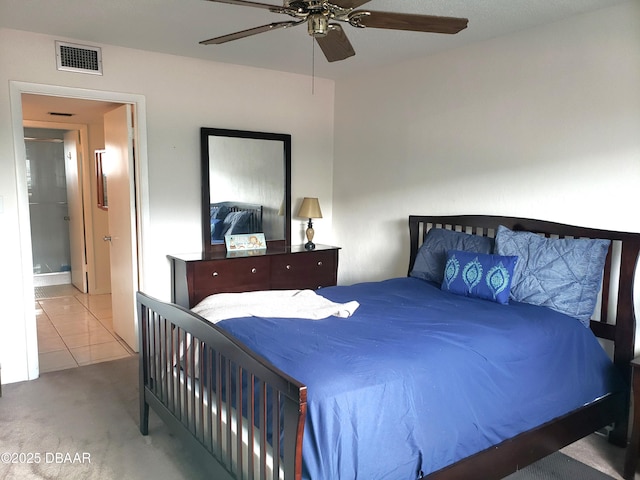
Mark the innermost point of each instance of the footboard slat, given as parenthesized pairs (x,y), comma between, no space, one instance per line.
(229,403)
(153,348)
(229,419)
(182,397)
(162,354)
(171,352)
(201,392)
(263,428)
(276,438)
(252,423)
(240,414)
(209,418)
(218,370)
(191,412)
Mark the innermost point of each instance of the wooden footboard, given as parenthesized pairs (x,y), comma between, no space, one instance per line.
(225,401)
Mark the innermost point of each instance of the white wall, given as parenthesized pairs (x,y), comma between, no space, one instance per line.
(181,95)
(544,123)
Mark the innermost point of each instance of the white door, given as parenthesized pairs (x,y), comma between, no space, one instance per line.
(75,215)
(118,138)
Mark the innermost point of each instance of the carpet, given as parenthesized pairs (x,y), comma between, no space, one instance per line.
(558,466)
(82,424)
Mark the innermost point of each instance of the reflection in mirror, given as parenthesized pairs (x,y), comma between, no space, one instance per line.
(246,185)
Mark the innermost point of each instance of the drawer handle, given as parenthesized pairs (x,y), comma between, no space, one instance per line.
(253,270)
(320,263)
(288,267)
(214,274)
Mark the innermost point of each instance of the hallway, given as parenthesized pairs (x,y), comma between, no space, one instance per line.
(75,329)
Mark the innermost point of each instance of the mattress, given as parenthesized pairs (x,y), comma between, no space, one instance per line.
(418,378)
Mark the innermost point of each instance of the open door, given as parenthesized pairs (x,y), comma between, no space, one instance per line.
(118,165)
(75,209)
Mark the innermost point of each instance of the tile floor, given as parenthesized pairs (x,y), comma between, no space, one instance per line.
(75,329)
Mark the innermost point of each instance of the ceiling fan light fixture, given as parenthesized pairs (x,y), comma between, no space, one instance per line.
(318,25)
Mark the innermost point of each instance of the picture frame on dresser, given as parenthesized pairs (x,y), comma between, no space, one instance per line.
(245,242)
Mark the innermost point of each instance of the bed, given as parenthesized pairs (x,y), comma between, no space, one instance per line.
(255,410)
(230,218)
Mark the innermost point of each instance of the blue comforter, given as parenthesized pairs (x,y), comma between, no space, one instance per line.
(418,378)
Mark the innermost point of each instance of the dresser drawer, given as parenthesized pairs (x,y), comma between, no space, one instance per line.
(196,276)
(304,270)
(232,275)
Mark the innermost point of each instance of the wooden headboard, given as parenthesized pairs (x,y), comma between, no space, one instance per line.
(615,319)
(255,222)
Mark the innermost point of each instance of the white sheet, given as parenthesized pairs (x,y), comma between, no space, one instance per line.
(305,304)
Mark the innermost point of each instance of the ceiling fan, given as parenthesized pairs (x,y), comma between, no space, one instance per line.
(321,15)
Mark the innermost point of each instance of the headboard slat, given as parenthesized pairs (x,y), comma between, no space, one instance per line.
(606,285)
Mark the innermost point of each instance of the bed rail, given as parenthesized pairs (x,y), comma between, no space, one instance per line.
(223,399)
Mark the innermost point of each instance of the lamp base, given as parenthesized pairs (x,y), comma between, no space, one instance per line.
(310,232)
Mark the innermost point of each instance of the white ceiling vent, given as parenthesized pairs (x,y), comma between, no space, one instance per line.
(78,58)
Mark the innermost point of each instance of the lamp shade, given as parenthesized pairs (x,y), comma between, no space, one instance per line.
(310,208)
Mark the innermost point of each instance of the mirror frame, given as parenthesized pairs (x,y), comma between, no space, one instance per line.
(285,138)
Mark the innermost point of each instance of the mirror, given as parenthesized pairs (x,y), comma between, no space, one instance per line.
(246,186)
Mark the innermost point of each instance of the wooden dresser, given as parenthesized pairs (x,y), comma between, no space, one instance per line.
(195,276)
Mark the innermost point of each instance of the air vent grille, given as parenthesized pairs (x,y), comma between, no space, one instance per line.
(78,58)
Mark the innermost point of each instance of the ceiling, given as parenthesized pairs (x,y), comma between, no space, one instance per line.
(44,108)
(176,26)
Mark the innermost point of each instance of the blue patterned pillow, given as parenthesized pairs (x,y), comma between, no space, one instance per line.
(563,274)
(217,230)
(218,211)
(237,222)
(479,275)
(432,256)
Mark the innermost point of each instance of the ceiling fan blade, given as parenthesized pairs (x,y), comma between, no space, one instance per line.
(407,21)
(351,3)
(249,32)
(245,3)
(335,45)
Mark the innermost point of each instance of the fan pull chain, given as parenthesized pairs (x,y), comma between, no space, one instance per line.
(313,66)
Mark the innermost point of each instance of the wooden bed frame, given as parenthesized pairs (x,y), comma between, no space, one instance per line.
(255,218)
(171,370)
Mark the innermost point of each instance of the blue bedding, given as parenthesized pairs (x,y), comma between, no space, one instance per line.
(419,378)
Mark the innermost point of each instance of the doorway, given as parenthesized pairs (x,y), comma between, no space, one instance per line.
(60,175)
(138,180)
(74,326)
(48,206)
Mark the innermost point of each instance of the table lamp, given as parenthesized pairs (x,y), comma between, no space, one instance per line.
(310,208)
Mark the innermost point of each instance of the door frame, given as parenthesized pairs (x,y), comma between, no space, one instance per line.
(140,180)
